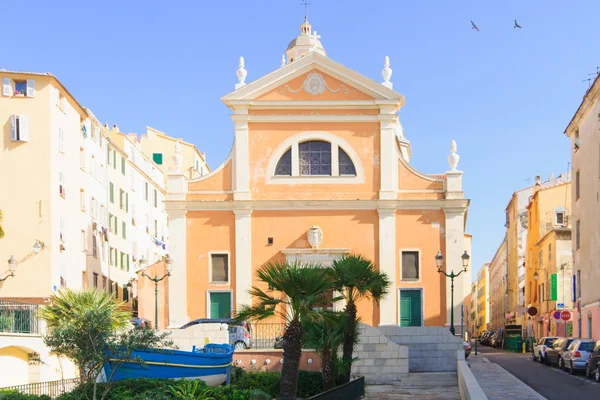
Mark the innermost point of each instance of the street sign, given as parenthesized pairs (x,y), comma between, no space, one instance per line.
(560,305)
(579,306)
(554,287)
(532,311)
(565,315)
(556,314)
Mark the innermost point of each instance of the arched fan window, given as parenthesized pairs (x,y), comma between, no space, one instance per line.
(284,166)
(315,158)
(346,166)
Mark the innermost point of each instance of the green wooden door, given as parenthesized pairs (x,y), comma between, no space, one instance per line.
(410,308)
(220,305)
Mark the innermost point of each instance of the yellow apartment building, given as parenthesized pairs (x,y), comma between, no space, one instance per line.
(483,296)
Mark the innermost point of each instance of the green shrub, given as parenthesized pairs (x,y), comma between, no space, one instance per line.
(233,393)
(139,389)
(16,395)
(309,383)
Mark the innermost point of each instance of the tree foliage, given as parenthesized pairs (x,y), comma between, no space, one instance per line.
(91,326)
(295,291)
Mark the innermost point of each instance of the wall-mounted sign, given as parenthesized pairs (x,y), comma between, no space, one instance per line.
(560,305)
(554,286)
(556,314)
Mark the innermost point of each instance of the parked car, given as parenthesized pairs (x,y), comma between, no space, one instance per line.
(578,354)
(467,347)
(539,349)
(141,323)
(554,354)
(240,335)
(593,364)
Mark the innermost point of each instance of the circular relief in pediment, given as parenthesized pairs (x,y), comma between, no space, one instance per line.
(314,84)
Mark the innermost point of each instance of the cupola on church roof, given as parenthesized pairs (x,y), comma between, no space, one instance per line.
(305,43)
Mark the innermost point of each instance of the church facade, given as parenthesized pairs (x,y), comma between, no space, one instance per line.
(320,168)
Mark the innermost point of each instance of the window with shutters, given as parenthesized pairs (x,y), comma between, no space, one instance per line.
(19,128)
(578,234)
(219,268)
(20,89)
(410,266)
(124,230)
(123,163)
(94,246)
(550,252)
(121,199)
(577,188)
(155,198)
(95,280)
(125,294)
(146,190)
(104,283)
(157,158)
(111,192)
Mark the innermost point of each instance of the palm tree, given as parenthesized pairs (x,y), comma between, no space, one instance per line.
(295,290)
(1,230)
(356,278)
(326,336)
(83,319)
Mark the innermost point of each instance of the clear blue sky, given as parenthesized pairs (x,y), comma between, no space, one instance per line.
(504,94)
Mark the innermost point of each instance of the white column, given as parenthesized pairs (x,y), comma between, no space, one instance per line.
(388,155)
(388,306)
(455,220)
(177,281)
(241,161)
(243,257)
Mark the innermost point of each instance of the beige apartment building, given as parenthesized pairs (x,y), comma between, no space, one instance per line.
(498,287)
(516,243)
(160,147)
(585,155)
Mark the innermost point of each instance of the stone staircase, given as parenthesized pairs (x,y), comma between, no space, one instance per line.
(418,386)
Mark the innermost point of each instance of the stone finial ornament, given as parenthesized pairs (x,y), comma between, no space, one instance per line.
(283,60)
(387,73)
(177,158)
(241,74)
(453,158)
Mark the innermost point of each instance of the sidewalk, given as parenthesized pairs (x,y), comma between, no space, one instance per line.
(497,383)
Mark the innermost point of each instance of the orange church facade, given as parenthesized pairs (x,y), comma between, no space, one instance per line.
(318,147)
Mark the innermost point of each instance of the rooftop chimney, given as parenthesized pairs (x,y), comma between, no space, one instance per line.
(538,180)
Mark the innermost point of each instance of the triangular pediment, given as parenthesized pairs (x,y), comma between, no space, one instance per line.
(313,77)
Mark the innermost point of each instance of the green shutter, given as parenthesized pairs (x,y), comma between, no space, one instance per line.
(110,220)
(112,192)
(121,199)
(157,158)
(121,265)
(110,255)
(410,308)
(127,202)
(123,165)
(127,257)
(124,230)
(220,305)
(116,225)
(114,159)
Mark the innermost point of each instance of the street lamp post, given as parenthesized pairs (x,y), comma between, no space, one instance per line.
(439,260)
(143,265)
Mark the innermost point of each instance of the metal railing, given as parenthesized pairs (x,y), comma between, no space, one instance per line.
(265,334)
(18,317)
(352,390)
(51,388)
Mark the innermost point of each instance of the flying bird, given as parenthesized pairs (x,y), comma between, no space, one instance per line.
(474,26)
(517,25)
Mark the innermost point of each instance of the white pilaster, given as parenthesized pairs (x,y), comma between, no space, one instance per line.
(241,176)
(177,281)
(388,306)
(243,257)
(388,156)
(455,220)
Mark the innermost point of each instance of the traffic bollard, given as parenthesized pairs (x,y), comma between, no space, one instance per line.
(476,340)
(524,347)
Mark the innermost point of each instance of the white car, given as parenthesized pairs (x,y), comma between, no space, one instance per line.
(539,349)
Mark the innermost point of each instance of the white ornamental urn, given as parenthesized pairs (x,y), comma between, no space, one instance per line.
(315,236)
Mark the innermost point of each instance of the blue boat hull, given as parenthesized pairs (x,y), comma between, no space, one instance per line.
(209,364)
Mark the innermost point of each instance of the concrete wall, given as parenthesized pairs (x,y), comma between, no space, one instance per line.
(380,361)
(270,360)
(430,349)
(199,335)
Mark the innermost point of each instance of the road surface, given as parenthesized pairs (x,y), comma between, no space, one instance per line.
(550,382)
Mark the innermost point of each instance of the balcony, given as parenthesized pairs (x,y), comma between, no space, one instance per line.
(19,317)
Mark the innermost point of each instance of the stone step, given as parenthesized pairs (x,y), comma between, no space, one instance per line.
(428,379)
(392,392)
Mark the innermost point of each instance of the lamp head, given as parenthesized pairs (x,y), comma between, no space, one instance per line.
(37,247)
(535,276)
(439,260)
(169,263)
(142,263)
(465,260)
(12,264)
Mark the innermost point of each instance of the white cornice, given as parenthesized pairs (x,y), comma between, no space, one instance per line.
(455,205)
(293,252)
(305,64)
(313,118)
